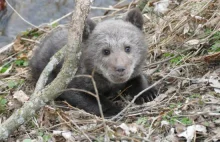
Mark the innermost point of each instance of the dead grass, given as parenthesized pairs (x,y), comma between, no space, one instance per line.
(184,42)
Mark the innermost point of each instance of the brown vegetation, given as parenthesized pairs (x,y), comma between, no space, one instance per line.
(183,60)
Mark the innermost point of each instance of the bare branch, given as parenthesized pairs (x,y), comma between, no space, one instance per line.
(23,18)
(39,99)
(54,61)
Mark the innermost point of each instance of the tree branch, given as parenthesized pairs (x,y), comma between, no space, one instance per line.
(39,99)
(54,61)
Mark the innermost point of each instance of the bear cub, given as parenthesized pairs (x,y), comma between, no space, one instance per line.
(114,49)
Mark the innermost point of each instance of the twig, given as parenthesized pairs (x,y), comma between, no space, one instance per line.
(26,39)
(168,59)
(200,113)
(130,139)
(79,90)
(110,15)
(150,131)
(54,61)
(142,113)
(126,5)
(120,2)
(57,20)
(129,6)
(23,18)
(206,113)
(65,121)
(13,55)
(79,129)
(100,107)
(92,7)
(174,94)
(121,93)
(13,77)
(6,47)
(57,125)
(118,6)
(13,59)
(104,8)
(96,95)
(38,27)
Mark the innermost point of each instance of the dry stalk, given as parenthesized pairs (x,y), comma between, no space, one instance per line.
(171,35)
(168,59)
(79,129)
(30,40)
(150,131)
(68,124)
(10,57)
(96,95)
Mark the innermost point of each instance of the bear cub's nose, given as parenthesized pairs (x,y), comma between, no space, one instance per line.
(120,69)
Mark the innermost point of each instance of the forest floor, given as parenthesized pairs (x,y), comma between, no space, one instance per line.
(183,62)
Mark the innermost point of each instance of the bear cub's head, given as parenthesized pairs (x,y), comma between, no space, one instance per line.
(115,48)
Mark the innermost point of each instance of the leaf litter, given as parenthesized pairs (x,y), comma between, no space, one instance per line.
(181,34)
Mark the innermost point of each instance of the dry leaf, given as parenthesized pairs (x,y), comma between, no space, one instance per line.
(66,134)
(212,58)
(128,129)
(186,28)
(161,6)
(214,82)
(21,96)
(191,131)
(17,46)
(22,56)
(171,137)
(198,19)
(213,22)
(179,128)
(164,122)
(160,97)
(192,42)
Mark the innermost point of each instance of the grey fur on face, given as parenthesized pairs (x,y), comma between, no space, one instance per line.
(115,36)
(114,49)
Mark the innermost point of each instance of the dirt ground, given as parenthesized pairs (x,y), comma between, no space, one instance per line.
(183,63)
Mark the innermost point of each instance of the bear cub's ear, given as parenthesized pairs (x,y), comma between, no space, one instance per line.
(135,17)
(89,27)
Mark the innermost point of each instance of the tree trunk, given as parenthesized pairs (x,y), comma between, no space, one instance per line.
(68,71)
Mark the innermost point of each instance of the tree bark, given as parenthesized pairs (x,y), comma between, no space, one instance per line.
(39,99)
(54,61)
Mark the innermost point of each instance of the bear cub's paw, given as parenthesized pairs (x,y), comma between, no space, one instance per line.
(147,96)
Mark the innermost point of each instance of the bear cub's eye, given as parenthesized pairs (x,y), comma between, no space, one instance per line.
(127,49)
(106,52)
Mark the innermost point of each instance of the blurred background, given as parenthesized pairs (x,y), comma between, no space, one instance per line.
(37,12)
